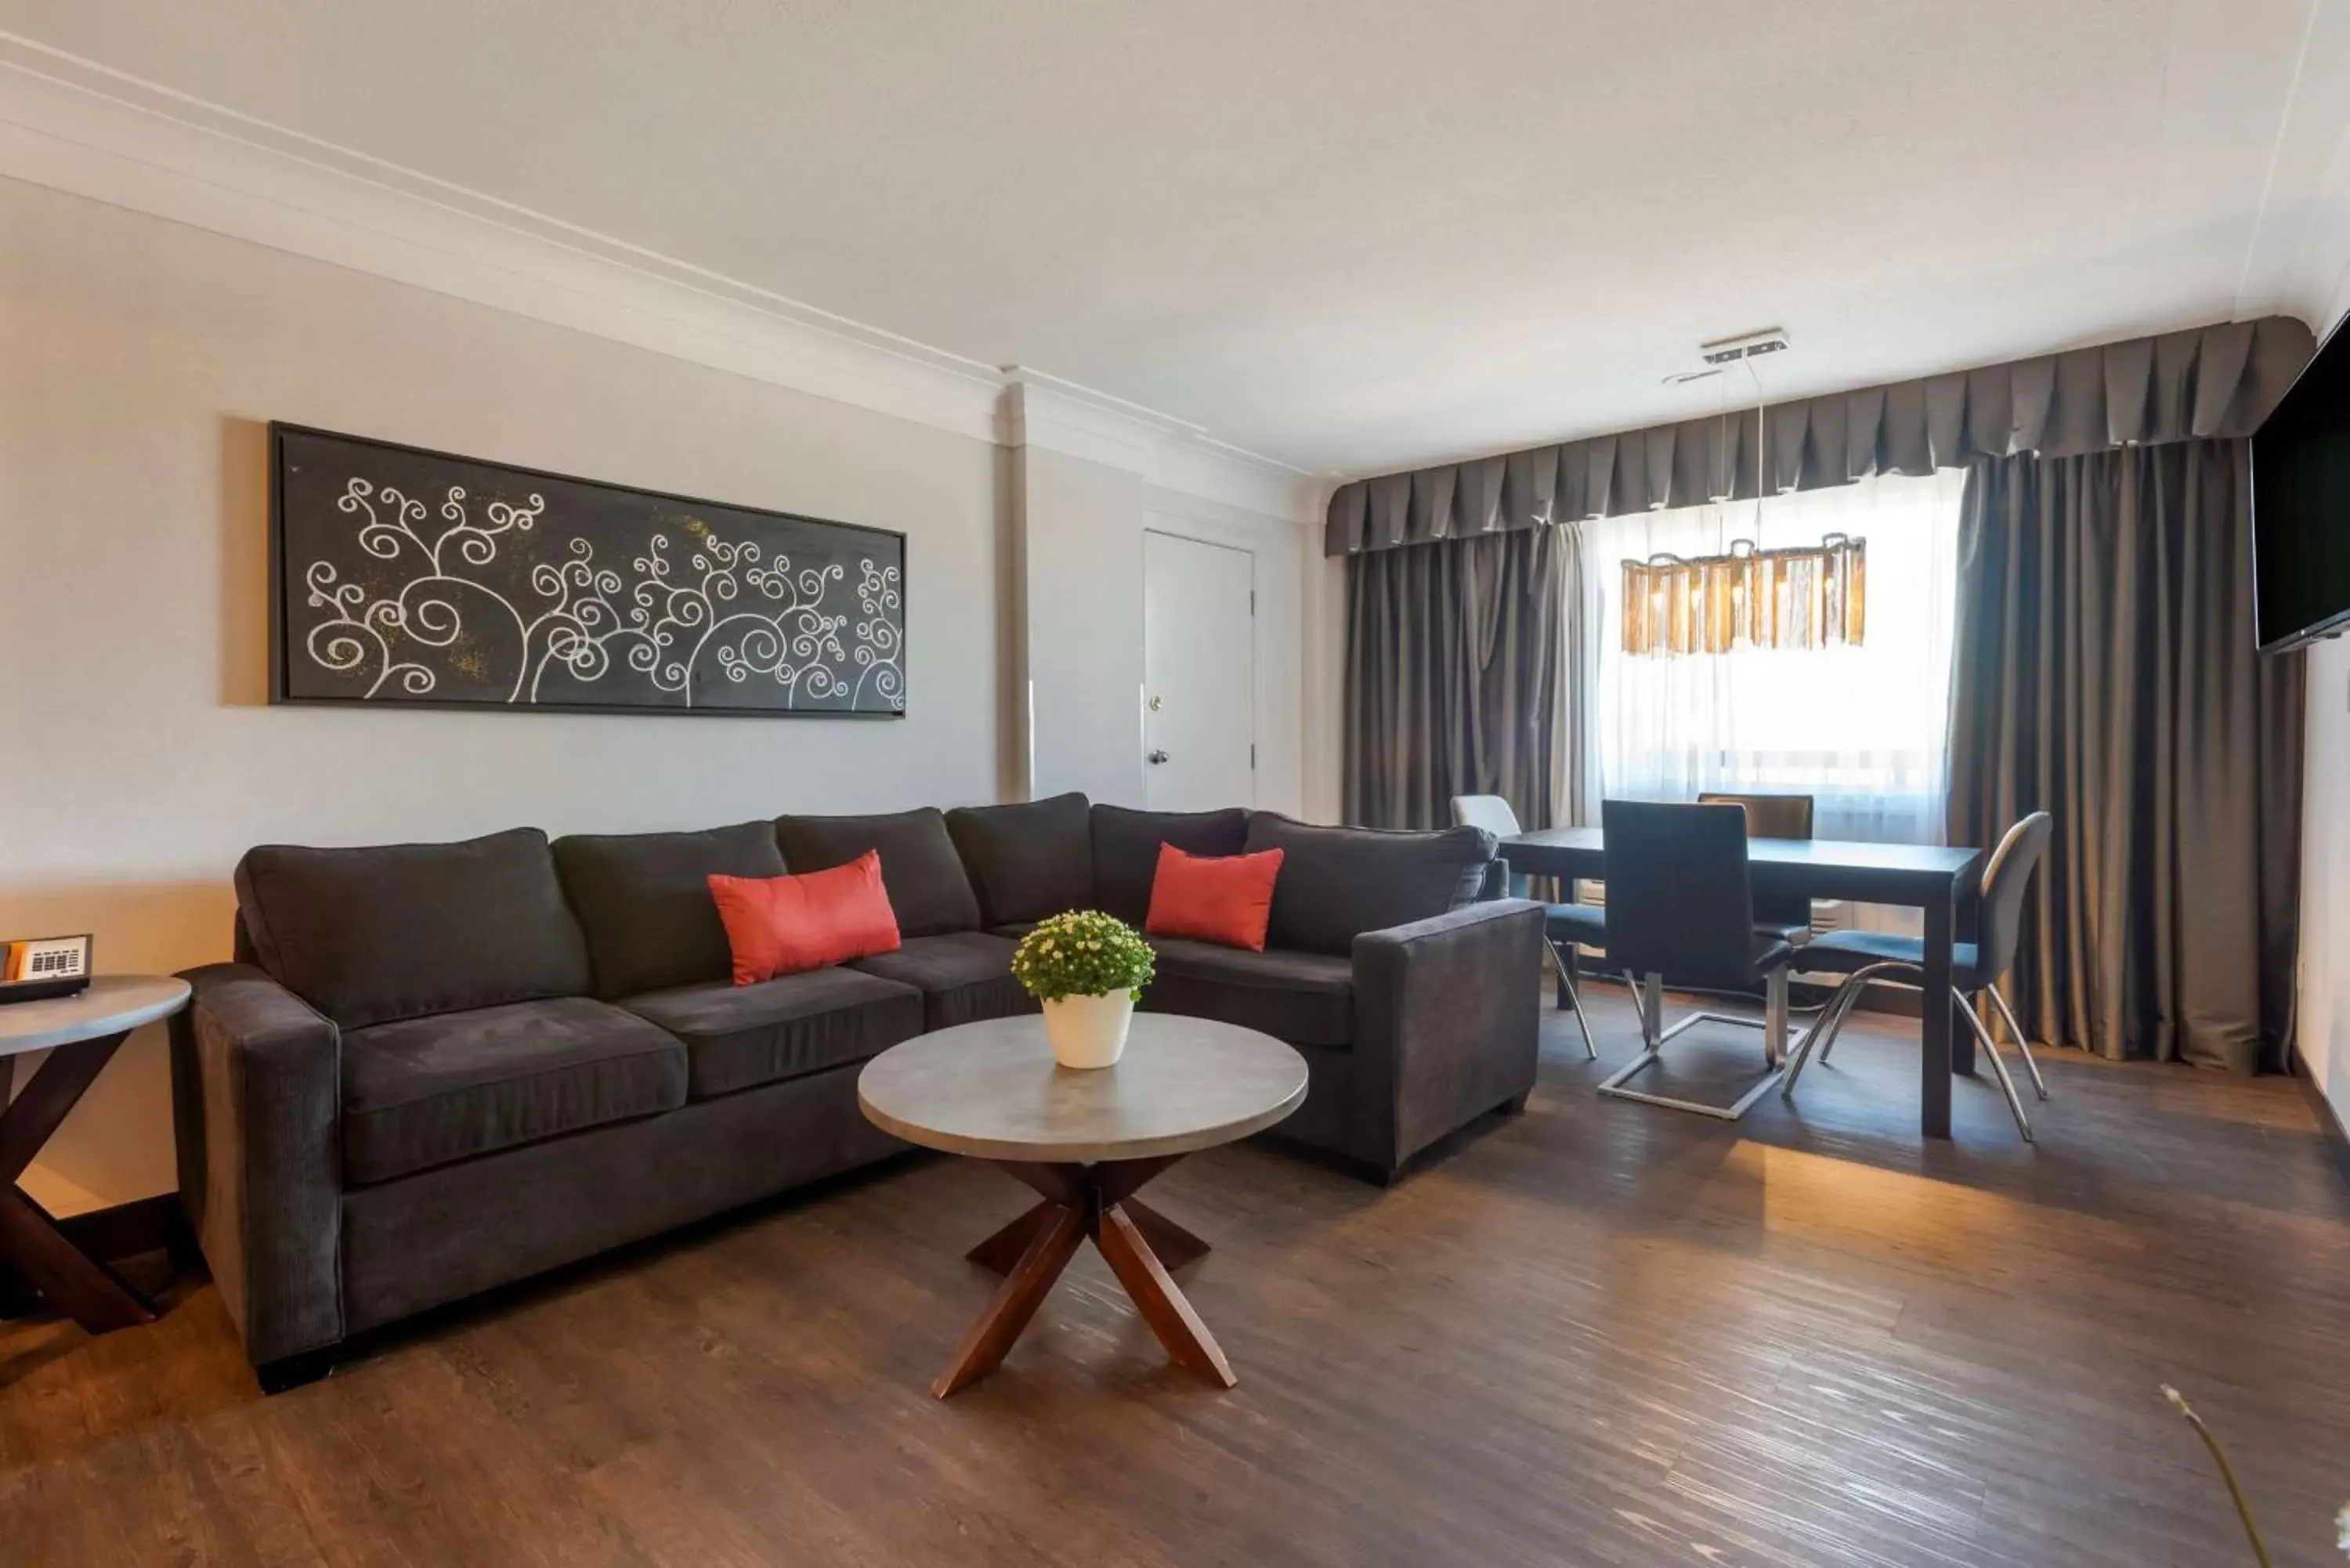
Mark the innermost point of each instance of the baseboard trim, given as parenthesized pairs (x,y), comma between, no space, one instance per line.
(2337,1140)
(153,1224)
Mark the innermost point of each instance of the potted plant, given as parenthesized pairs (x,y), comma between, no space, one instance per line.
(1088,970)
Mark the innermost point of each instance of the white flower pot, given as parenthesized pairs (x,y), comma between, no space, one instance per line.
(1088,1031)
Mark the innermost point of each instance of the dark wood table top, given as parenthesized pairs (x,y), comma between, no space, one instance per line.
(1829,868)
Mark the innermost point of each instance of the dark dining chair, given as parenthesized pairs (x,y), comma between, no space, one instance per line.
(1565,926)
(1681,911)
(1787,916)
(1975,966)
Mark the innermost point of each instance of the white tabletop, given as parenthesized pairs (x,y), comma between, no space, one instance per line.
(114,1004)
(993,1091)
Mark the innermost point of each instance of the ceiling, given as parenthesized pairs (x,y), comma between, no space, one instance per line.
(1356,235)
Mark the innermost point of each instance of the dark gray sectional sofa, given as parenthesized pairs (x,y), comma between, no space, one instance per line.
(435,1068)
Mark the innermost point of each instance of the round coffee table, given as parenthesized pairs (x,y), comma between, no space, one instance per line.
(80,1034)
(1086,1141)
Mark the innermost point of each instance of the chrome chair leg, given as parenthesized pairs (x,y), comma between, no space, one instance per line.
(1651,1004)
(2023,1041)
(1654,1032)
(1774,1035)
(1821,1035)
(1803,1048)
(1570,998)
(1998,1067)
(1820,1039)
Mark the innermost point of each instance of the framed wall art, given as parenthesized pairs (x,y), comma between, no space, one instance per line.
(406,578)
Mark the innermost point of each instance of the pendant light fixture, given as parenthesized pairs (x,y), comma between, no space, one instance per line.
(1808,597)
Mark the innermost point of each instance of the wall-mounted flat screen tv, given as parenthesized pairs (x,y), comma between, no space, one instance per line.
(2301,505)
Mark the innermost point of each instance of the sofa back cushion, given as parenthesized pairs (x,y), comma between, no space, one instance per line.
(1339,882)
(643,899)
(406,930)
(1127,845)
(1026,861)
(928,890)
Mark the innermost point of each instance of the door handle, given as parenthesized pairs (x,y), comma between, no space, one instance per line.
(1157,757)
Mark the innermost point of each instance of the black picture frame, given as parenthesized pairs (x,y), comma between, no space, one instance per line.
(584,596)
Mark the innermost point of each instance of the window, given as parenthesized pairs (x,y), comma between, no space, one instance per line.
(1862,730)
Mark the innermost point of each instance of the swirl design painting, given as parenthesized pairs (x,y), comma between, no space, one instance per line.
(411,577)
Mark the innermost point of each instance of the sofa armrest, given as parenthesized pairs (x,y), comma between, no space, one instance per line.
(256,1085)
(1448,1023)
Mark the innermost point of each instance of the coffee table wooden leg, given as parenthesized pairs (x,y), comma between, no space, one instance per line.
(1001,1251)
(1162,1305)
(1014,1302)
(1175,1245)
(1139,1243)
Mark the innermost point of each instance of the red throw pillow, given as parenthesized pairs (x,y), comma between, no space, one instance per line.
(1221,898)
(786,925)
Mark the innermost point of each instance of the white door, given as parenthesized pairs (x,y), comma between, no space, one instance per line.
(1199,669)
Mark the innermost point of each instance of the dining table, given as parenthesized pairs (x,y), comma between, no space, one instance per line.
(1934,879)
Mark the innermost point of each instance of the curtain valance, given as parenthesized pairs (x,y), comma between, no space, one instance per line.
(2218,380)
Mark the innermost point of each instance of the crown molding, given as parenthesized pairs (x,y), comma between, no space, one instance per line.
(74,125)
(1044,411)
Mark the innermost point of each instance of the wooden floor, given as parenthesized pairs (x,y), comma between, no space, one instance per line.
(1597,1333)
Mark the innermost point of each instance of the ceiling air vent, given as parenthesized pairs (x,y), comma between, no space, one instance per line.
(1746,345)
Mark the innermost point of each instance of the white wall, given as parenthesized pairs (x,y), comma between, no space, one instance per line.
(2323,1020)
(2322,994)
(138,362)
(1080,528)
(1080,524)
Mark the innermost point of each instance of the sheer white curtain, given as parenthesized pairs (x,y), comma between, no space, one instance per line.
(1861,730)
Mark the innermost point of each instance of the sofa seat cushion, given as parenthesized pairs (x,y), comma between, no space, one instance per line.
(1027,860)
(739,1036)
(405,931)
(423,1092)
(1306,999)
(1338,882)
(929,891)
(643,898)
(963,977)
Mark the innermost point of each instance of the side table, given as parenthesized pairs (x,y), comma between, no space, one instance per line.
(81,1035)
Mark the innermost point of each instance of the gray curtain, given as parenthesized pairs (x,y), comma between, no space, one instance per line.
(1460,659)
(2104,668)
